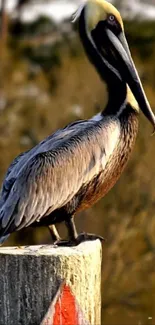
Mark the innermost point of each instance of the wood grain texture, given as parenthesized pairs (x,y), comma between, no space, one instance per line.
(31,276)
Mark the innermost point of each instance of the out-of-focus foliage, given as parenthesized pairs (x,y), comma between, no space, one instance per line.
(46,82)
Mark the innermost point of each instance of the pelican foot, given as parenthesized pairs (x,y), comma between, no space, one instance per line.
(83,237)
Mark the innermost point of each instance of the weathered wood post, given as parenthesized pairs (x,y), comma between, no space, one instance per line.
(51,286)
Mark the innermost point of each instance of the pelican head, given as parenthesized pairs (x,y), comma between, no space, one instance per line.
(102,33)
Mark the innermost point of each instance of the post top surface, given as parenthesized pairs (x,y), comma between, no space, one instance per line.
(84,248)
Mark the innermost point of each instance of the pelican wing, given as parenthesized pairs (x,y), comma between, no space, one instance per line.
(47,144)
(8,181)
(51,178)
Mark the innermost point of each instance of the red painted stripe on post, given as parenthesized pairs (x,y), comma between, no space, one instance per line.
(65,309)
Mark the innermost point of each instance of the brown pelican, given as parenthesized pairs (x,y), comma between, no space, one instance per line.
(76,166)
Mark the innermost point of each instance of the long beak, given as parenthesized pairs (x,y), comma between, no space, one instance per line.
(130,74)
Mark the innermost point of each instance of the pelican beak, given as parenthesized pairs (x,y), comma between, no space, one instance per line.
(129,72)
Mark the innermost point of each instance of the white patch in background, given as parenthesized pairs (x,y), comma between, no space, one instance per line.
(61,9)
(57,10)
(10,4)
(77,110)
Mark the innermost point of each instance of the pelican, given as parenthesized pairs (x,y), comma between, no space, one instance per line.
(76,166)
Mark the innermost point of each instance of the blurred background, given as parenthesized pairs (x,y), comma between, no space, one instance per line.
(46,82)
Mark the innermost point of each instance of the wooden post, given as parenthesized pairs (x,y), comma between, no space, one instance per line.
(51,286)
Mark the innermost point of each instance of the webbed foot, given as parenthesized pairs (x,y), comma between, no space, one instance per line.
(83,237)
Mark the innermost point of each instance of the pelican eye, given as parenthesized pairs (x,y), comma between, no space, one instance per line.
(111,18)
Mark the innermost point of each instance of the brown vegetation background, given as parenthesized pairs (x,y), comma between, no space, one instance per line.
(46,82)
